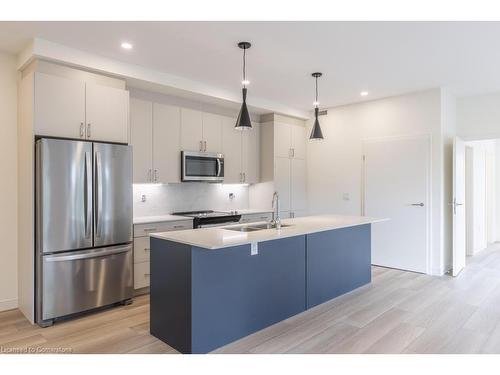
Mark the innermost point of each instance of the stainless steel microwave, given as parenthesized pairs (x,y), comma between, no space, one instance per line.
(202,166)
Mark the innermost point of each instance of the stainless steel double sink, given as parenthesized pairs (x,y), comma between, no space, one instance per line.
(256,227)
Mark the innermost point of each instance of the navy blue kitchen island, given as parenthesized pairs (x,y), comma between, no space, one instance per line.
(204,298)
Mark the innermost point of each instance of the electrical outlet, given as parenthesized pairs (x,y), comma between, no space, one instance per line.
(254,248)
(143,198)
(346,197)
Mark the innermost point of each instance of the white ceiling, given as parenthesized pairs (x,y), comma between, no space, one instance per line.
(383,58)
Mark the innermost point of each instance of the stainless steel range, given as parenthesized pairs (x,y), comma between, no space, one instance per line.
(205,219)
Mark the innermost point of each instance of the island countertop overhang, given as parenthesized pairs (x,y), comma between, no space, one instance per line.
(220,237)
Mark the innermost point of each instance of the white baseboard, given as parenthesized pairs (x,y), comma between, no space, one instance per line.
(8,304)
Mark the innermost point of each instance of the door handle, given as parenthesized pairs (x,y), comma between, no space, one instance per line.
(205,146)
(201,145)
(218,167)
(455,205)
(417,204)
(88,130)
(98,201)
(88,194)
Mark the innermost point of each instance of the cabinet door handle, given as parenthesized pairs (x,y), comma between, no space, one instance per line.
(147,274)
(156,175)
(244,177)
(149,229)
(293,152)
(88,130)
(147,249)
(82,130)
(201,145)
(149,175)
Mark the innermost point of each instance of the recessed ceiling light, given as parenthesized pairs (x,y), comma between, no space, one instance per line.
(126,45)
(363,93)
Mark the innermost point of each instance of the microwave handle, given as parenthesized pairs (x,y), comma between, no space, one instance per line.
(219,169)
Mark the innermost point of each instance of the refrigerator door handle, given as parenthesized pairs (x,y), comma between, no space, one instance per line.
(88,194)
(87,255)
(98,200)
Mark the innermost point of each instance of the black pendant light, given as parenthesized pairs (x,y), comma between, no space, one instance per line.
(243,122)
(316,133)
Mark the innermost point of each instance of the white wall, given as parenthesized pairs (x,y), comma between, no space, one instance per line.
(8,173)
(334,165)
(165,199)
(449,129)
(478,117)
(497,190)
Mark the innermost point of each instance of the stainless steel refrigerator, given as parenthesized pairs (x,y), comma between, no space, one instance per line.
(83,208)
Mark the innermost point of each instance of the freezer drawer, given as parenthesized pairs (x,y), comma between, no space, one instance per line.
(81,280)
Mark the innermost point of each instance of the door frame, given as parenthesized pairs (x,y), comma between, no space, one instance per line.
(428,201)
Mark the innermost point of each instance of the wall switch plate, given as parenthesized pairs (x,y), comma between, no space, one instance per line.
(346,197)
(143,198)
(254,248)
(231,196)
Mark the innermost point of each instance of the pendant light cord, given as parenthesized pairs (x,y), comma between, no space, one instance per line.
(244,67)
(316,92)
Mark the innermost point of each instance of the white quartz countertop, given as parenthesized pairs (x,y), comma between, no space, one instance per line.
(220,237)
(159,219)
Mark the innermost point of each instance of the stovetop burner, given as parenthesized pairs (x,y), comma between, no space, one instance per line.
(207,213)
(210,218)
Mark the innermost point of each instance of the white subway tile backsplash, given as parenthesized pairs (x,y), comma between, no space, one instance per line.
(165,199)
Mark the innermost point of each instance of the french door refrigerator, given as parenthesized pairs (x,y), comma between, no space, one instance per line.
(83,208)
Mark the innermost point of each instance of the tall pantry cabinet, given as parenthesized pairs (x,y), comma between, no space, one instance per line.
(283,161)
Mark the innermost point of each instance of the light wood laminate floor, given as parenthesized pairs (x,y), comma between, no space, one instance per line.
(400,312)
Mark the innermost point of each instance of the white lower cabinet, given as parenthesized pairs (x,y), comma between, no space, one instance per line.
(142,248)
(141,275)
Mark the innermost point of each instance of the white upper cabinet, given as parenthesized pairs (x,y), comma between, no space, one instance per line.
(231,147)
(298,142)
(282,139)
(141,134)
(191,130)
(70,108)
(298,193)
(251,154)
(282,181)
(212,132)
(166,143)
(107,111)
(59,109)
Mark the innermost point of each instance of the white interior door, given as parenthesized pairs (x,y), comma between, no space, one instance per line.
(459,221)
(397,188)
